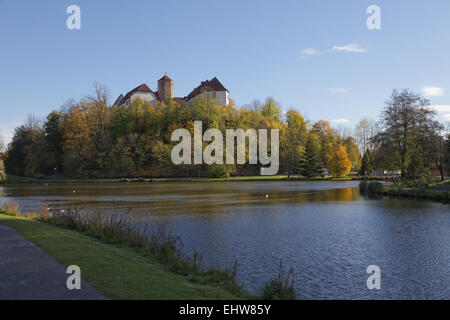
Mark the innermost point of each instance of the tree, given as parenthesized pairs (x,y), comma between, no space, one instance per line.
(366,164)
(436,147)
(311,165)
(293,140)
(2,165)
(270,109)
(405,122)
(447,152)
(339,164)
(28,152)
(325,136)
(353,153)
(53,135)
(365,130)
(2,172)
(78,146)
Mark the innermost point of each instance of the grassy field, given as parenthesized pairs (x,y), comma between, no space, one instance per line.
(119,272)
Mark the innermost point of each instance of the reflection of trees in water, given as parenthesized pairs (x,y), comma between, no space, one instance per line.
(343,194)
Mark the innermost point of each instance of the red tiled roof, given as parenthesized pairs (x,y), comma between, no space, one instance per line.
(142,88)
(166,78)
(208,85)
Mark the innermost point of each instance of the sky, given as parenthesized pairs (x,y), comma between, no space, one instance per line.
(317,57)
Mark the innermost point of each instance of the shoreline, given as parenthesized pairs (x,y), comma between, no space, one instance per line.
(18,180)
(439,192)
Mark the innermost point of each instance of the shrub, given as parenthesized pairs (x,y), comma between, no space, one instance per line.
(218,171)
(281,287)
(375,187)
(363,187)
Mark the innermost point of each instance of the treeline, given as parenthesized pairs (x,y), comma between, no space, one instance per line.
(407,138)
(91,138)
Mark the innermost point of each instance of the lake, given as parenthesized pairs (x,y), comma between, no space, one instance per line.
(325,231)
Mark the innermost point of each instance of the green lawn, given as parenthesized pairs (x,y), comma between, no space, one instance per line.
(118,272)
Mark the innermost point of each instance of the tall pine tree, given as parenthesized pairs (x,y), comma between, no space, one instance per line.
(367,164)
(311,165)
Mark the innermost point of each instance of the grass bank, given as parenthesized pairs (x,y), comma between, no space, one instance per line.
(436,192)
(122,262)
(119,272)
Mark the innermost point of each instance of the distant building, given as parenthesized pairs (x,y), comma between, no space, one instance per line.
(210,88)
(213,89)
(382,172)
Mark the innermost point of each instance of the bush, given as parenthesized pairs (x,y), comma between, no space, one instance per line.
(282,287)
(375,187)
(218,171)
(364,187)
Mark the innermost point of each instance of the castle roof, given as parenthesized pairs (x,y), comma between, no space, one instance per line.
(166,78)
(208,85)
(119,100)
(142,88)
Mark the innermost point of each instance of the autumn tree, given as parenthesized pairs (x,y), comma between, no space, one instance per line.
(339,165)
(270,109)
(293,140)
(325,136)
(353,153)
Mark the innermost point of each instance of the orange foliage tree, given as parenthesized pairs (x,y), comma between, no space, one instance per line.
(339,164)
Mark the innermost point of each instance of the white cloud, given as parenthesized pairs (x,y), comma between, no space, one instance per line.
(442,110)
(439,108)
(338,90)
(352,47)
(340,121)
(432,91)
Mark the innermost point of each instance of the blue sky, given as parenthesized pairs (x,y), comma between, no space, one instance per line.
(317,57)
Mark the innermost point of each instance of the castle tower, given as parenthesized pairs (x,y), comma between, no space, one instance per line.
(165,88)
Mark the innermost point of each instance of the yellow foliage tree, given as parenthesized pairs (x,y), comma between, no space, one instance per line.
(339,164)
(2,171)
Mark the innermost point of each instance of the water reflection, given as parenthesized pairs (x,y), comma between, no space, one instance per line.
(325,230)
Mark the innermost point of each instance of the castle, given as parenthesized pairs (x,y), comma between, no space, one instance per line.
(210,88)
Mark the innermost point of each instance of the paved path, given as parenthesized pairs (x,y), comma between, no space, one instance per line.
(28,272)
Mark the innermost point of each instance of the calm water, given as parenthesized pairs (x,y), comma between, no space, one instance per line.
(324,230)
